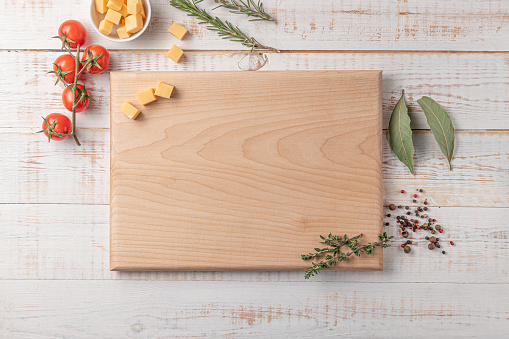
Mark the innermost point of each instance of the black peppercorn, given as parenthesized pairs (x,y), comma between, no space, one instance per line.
(400,206)
(443,252)
(425,208)
(386,224)
(389,215)
(414,201)
(408,213)
(431,246)
(406,207)
(421,190)
(392,207)
(425,203)
(438,239)
(437,245)
(427,238)
(433,239)
(408,242)
(407,249)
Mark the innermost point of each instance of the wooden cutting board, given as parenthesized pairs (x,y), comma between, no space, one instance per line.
(244,170)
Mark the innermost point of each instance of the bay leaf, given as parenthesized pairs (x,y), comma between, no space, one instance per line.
(440,124)
(400,134)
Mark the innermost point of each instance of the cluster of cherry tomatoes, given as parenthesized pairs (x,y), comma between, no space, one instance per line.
(66,63)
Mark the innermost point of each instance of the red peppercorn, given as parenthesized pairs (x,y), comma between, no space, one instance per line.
(402,191)
(451,243)
(415,195)
(402,245)
(434,220)
(418,227)
(441,231)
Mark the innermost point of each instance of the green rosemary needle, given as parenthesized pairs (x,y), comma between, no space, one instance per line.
(225,29)
(247,7)
(333,254)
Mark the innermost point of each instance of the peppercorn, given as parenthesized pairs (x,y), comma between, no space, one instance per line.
(437,245)
(430,220)
(441,231)
(406,207)
(433,232)
(415,195)
(438,239)
(425,203)
(431,246)
(386,224)
(402,227)
(408,213)
(452,243)
(425,208)
(400,206)
(443,252)
(434,220)
(421,190)
(433,239)
(407,249)
(392,207)
(424,215)
(389,215)
(414,201)
(408,242)
(402,245)
(397,217)
(427,238)
(402,191)
(404,234)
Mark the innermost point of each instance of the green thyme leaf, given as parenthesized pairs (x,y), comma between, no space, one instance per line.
(400,134)
(440,124)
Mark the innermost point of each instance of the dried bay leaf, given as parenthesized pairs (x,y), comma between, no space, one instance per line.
(440,124)
(400,134)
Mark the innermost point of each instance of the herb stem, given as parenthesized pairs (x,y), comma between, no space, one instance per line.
(247,7)
(73,89)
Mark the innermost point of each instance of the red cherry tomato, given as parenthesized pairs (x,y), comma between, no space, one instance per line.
(67,99)
(75,31)
(103,60)
(63,125)
(66,64)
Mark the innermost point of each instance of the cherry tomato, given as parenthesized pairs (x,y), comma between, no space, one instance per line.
(103,60)
(63,125)
(67,99)
(75,31)
(67,63)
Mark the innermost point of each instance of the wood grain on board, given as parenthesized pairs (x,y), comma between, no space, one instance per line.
(243,171)
(431,25)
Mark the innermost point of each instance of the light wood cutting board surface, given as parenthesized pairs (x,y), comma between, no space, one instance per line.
(244,170)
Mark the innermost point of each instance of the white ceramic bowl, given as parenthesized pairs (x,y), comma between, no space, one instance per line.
(96,17)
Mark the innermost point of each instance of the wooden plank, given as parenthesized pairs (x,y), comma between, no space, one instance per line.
(60,242)
(215,176)
(465,84)
(33,168)
(36,309)
(478,25)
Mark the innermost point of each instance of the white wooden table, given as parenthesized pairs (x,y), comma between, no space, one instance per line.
(54,270)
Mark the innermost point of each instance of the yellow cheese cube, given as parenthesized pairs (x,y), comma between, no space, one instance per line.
(164,90)
(175,53)
(100,6)
(142,11)
(113,16)
(178,30)
(105,27)
(133,8)
(122,33)
(123,10)
(146,97)
(115,5)
(129,110)
(133,23)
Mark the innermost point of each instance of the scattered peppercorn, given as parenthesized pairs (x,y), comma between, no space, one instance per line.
(392,207)
(415,195)
(400,206)
(386,224)
(441,231)
(443,252)
(427,238)
(425,203)
(431,246)
(421,190)
(407,249)
(407,208)
(433,232)
(389,215)
(437,245)
(425,208)
(414,201)
(402,245)
(438,227)
(402,191)
(433,239)
(404,234)
(452,243)
(408,213)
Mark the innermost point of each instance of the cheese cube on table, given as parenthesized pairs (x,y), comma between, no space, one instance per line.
(133,8)
(129,110)
(115,5)
(146,97)
(100,6)
(105,27)
(123,10)
(164,90)
(175,53)
(178,30)
(133,23)
(113,16)
(122,33)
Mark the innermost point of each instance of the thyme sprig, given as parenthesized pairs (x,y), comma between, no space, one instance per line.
(247,7)
(333,254)
(225,29)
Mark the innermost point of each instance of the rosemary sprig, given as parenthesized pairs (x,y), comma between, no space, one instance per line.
(225,29)
(333,254)
(247,7)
